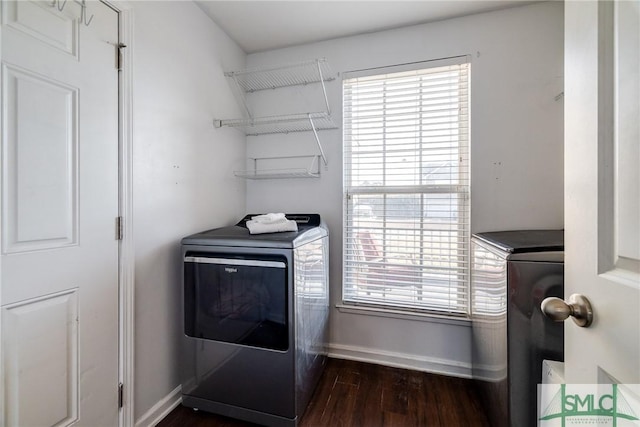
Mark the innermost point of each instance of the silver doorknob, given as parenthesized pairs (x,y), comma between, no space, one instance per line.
(578,307)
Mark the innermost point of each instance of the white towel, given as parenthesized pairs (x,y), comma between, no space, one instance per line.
(269,218)
(272,227)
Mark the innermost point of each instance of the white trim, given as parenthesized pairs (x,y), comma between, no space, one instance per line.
(2,126)
(490,373)
(415,362)
(161,409)
(411,66)
(126,344)
(127,257)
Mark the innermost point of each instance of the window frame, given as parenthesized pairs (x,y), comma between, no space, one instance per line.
(462,190)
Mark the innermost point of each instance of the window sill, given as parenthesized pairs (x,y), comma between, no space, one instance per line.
(398,314)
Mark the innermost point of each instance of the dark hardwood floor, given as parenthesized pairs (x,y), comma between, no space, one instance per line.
(365,395)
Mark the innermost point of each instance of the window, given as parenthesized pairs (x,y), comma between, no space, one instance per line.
(406,187)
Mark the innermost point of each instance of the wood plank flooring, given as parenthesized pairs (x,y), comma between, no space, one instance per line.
(355,394)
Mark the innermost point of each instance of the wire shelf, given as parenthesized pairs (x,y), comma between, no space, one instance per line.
(302,73)
(312,169)
(281,124)
(277,174)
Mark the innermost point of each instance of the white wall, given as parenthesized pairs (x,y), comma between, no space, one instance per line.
(182,170)
(516,155)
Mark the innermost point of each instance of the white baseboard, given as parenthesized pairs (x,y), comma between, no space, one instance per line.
(490,373)
(161,409)
(433,365)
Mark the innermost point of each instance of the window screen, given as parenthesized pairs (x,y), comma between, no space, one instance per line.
(406,187)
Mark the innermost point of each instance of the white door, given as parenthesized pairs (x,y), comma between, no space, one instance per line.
(59,265)
(602,190)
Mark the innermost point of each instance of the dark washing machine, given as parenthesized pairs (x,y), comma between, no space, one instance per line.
(512,272)
(255,320)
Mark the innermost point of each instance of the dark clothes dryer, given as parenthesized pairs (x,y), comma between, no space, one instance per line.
(255,320)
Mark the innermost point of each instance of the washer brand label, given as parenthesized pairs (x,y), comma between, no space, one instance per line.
(230,270)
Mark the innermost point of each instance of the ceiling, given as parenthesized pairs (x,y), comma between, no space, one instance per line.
(264,24)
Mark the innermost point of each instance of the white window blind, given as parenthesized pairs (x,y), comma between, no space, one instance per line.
(406,187)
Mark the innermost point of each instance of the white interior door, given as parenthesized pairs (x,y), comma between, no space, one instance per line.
(59,265)
(602,189)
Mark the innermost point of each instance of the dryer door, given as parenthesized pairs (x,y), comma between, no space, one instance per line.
(236,300)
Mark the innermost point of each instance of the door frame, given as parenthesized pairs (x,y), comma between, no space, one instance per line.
(126,256)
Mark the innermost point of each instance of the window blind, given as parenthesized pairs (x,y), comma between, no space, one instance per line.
(406,187)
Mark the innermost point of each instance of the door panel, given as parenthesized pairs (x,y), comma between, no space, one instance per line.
(602,194)
(39,179)
(41,352)
(39,19)
(627,128)
(59,266)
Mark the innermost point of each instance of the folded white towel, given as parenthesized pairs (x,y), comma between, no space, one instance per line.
(269,218)
(272,227)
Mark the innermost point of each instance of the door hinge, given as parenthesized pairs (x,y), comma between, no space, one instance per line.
(120,55)
(120,395)
(119,228)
